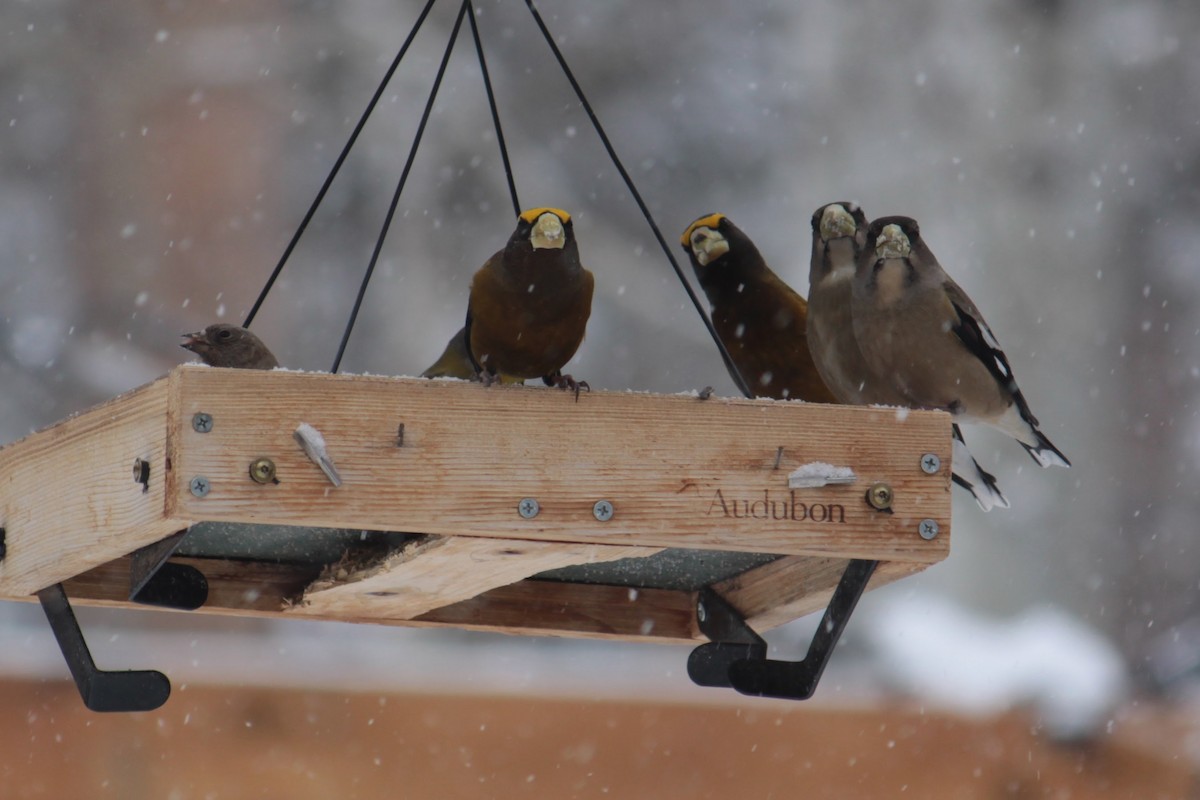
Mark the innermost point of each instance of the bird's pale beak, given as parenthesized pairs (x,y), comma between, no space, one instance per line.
(837,222)
(548,233)
(708,245)
(892,243)
(190,340)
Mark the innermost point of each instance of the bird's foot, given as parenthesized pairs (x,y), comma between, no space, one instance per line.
(487,378)
(705,393)
(566,382)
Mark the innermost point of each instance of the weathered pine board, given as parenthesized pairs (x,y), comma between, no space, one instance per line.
(529,607)
(442,570)
(679,471)
(769,595)
(789,588)
(68,498)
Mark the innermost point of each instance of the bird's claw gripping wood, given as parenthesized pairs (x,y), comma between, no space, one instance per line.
(567,383)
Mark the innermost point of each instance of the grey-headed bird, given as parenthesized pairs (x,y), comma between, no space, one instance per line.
(839,232)
(920,333)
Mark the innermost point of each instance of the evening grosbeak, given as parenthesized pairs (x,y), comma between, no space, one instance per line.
(530,303)
(921,334)
(455,361)
(225,345)
(839,231)
(760,320)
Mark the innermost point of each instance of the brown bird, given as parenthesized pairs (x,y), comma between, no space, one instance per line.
(530,303)
(225,345)
(760,320)
(921,334)
(839,233)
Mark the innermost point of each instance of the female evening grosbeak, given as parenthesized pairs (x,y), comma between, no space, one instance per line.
(839,231)
(922,336)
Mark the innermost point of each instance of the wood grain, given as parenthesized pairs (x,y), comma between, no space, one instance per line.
(68,498)
(680,472)
(530,607)
(441,570)
(789,588)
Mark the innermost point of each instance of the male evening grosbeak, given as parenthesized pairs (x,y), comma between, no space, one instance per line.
(760,320)
(530,303)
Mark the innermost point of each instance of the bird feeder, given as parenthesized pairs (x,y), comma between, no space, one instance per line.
(628,516)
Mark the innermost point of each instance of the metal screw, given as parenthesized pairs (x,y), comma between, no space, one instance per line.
(200,486)
(528,508)
(262,470)
(201,422)
(602,510)
(880,496)
(701,613)
(928,529)
(930,464)
(141,472)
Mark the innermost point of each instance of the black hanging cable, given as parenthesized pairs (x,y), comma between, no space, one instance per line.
(612,154)
(487,84)
(391,212)
(337,165)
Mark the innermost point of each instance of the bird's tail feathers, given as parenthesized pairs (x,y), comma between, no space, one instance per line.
(1045,453)
(975,479)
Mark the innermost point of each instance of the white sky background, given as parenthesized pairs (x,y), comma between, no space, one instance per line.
(156,160)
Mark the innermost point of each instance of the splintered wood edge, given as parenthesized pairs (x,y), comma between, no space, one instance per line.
(437,571)
(528,607)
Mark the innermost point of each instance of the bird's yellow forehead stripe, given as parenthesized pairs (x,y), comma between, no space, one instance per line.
(711,221)
(532,214)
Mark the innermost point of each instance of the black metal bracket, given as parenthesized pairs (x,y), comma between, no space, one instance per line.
(154,582)
(737,656)
(101,690)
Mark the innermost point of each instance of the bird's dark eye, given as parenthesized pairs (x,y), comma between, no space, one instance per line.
(225,335)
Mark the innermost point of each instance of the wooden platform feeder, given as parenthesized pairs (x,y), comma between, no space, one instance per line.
(505,508)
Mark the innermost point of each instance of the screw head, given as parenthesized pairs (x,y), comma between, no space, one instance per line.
(928,529)
(880,496)
(262,470)
(528,508)
(141,471)
(602,510)
(200,486)
(930,464)
(201,422)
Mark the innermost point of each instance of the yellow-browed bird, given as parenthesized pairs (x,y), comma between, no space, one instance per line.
(839,233)
(225,345)
(760,320)
(530,303)
(919,332)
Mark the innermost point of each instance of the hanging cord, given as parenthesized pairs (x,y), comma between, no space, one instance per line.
(337,165)
(391,212)
(487,84)
(612,154)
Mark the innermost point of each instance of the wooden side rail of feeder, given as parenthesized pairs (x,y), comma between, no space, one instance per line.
(525,511)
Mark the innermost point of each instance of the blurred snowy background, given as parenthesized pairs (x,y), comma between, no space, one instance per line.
(155,159)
